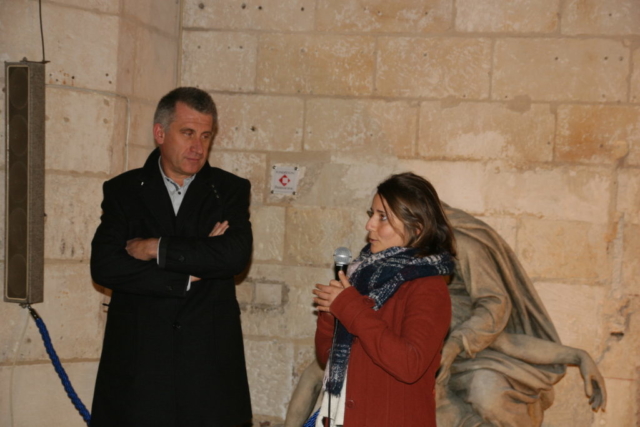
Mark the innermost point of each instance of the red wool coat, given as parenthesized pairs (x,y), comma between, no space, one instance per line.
(395,353)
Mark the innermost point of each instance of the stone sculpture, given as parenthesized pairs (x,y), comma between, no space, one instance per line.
(503,354)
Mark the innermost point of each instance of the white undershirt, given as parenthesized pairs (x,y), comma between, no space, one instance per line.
(338,404)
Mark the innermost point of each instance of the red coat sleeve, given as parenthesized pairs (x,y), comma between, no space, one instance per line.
(407,351)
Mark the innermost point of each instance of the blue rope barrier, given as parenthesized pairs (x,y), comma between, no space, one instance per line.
(311,422)
(58,366)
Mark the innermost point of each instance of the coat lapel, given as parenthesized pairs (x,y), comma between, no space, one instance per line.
(201,192)
(155,195)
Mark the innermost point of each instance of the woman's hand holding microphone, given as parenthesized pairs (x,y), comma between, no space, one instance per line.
(326,294)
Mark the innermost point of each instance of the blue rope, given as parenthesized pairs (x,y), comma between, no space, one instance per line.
(311,422)
(58,366)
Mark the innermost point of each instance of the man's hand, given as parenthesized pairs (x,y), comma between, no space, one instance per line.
(218,230)
(143,249)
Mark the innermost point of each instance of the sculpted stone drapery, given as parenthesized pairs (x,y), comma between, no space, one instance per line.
(503,354)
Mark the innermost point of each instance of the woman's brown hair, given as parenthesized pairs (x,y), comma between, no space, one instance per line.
(415,202)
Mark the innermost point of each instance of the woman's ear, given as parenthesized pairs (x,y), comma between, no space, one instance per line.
(413,233)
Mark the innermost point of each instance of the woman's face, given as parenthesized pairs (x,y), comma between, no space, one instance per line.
(385,230)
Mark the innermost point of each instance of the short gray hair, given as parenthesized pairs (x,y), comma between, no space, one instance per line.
(193,97)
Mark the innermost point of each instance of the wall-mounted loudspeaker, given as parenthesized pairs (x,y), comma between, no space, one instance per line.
(24,195)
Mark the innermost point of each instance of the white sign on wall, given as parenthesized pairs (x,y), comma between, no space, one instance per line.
(284,180)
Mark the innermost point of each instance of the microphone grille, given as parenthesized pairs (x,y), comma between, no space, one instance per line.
(342,256)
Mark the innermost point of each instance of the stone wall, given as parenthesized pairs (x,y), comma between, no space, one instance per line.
(524,113)
(110,62)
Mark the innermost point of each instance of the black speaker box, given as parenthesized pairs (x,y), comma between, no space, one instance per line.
(24,192)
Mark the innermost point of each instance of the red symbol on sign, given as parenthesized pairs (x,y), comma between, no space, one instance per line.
(284,180)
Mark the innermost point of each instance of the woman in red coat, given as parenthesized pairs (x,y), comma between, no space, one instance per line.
(393,312)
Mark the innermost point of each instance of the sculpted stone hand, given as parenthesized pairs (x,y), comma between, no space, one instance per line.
(538,351)
(326,294)
(450,351)
(593,382)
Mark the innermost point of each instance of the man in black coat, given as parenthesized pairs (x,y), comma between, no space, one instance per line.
(172,236)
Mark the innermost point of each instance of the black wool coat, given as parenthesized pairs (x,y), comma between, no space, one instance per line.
(172,357)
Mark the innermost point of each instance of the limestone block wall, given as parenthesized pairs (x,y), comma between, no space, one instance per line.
(524,113)
(110,61)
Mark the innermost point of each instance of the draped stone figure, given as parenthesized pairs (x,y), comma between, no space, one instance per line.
(502,355)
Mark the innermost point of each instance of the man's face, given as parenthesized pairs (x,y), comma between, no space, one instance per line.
(185,145)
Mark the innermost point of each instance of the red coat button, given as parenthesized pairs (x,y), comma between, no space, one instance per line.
(350,404)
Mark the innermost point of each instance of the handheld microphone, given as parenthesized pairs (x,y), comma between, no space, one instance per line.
(341,258)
